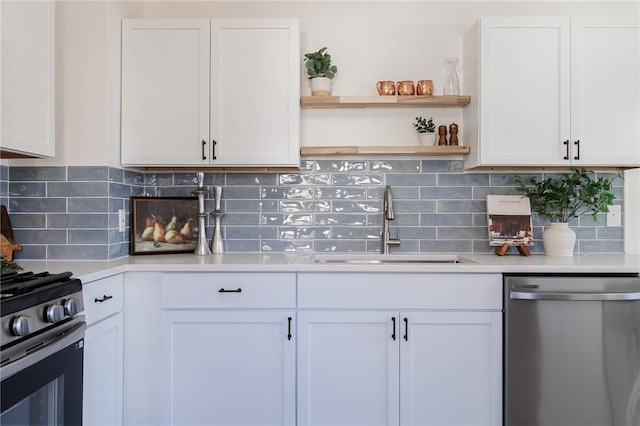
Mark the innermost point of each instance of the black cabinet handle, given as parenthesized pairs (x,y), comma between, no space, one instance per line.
(393,321)
(577,143)
(204,143)
(566,144)
(289,329)
(213,141)
(222,290)
(406,330)
(104,299)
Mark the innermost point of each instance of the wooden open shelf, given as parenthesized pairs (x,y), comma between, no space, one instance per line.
(382,101)
(393,150)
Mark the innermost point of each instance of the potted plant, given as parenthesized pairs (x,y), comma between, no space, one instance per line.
(565,197)
(426,130)
(320,72)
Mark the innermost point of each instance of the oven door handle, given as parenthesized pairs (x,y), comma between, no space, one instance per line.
(540,295)
(73,334)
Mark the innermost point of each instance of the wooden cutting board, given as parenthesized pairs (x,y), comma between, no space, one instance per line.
(6,239)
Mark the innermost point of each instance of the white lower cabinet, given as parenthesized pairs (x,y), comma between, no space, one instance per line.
(375,366)
(103,352)
(451,368)
(242,348)
(224,362)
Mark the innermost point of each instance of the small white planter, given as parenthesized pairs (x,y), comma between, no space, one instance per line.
(558,240)
(321,86)
(427,139)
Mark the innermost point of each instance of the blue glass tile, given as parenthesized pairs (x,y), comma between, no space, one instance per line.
(37,205)
(463,179)
(446,246)
(28,220)
(251,179)
(250,232)
(442,166)
(298,179)
(395,166)
(40,236)
(451,192)
(462,232)
(29,173)
(327,219)
(411,179)
(341,246)
(290,206)
(27,189)
(287,245)
(282,193)
(77,189)
(340,166)
(353,179)
(452,219)
(88,236)
(94,205)
(80,252)
(242,246)
(75,221)
(31,252)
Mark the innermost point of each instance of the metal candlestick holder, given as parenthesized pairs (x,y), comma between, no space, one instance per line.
(202,248)
(216,242)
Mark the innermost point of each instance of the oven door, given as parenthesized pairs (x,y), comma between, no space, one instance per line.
(45,386)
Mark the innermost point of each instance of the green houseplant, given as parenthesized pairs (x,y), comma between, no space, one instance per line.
(320,71)
(426,130)
(562,198)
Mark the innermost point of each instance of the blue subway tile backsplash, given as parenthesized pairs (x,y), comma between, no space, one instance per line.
(331,205)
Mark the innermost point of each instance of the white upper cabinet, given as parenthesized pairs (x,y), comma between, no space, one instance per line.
(552,92)
(605,91)
(165,92)
(210,92)
(28,78)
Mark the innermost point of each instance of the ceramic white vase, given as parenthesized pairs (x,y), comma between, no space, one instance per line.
(320,86)
(558,240)
(427,139)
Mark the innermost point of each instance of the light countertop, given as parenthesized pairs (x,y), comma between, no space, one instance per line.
(315,262)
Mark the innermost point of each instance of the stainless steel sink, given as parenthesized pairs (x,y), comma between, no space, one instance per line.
(392,259)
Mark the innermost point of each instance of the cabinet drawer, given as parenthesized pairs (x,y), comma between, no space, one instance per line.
(228,290)
(103,298)
(400,291)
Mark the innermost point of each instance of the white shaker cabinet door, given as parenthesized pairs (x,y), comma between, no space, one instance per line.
(451,369)
(103,373)
(524,91)
(27,51)
(165,92)
(255,92)
(605,91)
(228,368)
(348,368)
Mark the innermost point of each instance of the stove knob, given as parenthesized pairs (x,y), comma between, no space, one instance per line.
(54,313)
(71,306)
(21,325)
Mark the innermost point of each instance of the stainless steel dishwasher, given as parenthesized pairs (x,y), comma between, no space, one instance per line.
(572,350)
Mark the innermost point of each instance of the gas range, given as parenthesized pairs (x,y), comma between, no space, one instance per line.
(33,306)
(41,349)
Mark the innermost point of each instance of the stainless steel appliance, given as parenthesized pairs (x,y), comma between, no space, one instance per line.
(572,350)
(41,352)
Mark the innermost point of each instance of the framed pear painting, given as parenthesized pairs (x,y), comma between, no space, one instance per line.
(162,225)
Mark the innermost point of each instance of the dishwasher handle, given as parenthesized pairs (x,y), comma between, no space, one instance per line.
(570,297)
